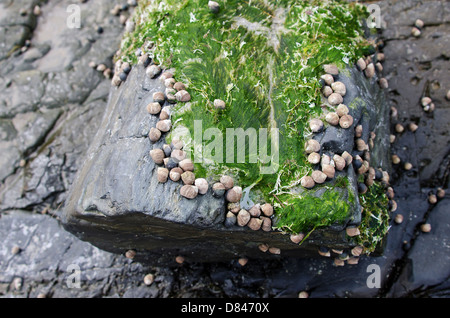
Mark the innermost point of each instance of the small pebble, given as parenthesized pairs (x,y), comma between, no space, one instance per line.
(419,24)
(362,188)
(357,250)
(37,10)
(169,82)
(399,128)
(154,108)
(338,262)
(324,251)
(347,157)
(189,191)
(234,207)
(145,60)
(266,224)
(149,279)
(339,162)
(178,155)
(407,166)
(393,205)
(101,67)
(379,67)
(412,127)
(165,113)
(425,101)
(263,247)
(353,261)
(361,144)
(15,250)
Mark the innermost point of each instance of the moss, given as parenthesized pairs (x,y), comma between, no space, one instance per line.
(375,218)
(265,83)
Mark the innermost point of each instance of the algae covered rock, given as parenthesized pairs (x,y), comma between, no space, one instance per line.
(264,60)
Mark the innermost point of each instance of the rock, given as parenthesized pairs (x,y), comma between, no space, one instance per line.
(329,171)
(178,155)
(312,146)
(178,86)
(318,176)
(346,121)
(327,91)
(189,191)
(255,224)
(314,158)
(342,110)
(328,79)
(255,211)
(164,125)
(165,113)
(307,182)
(266,224)
(158,97)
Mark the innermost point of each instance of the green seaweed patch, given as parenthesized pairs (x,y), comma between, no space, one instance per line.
(265,64)
(324,206)
(375,218)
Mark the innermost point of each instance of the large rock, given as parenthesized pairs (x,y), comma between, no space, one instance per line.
(117,203)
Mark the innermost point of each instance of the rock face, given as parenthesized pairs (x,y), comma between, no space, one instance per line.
(116,202)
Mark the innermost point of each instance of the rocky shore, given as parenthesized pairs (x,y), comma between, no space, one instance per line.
(50,109)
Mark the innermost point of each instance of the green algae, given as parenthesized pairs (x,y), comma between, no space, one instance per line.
(375,218)
(265,63)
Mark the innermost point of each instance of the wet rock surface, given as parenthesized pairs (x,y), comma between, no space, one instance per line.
(50,109)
